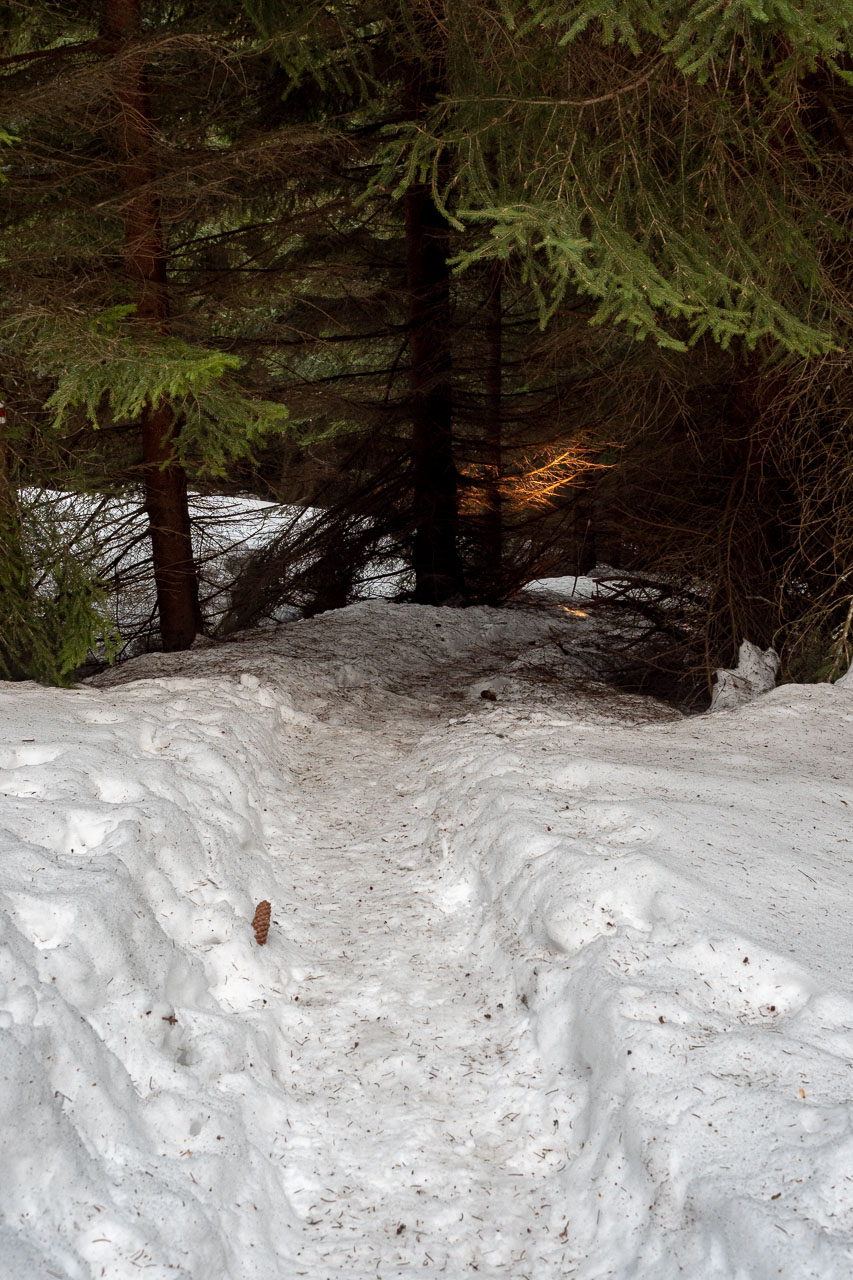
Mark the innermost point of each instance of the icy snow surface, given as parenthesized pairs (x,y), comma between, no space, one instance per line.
(755,673)
(558,982)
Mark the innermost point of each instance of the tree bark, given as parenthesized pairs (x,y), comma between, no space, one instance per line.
(438,569)
(493,524)
(754,539)
(436,561)
(5,486)
(164,478)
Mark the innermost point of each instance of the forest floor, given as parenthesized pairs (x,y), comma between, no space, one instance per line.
(558,981)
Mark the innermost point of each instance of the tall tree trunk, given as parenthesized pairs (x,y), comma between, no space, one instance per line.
(164,478)
(755,531)
(436,561)
(438,569)
(493,524)
(5,483)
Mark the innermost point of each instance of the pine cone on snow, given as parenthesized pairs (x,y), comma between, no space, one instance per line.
(261,922)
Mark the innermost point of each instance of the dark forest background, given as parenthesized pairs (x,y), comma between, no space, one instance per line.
(495,290)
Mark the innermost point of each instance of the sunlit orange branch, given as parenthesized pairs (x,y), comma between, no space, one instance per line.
(536,484)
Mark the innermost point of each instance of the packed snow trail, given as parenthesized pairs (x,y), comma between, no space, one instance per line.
(557,982)
(419,1087)
(413,1097)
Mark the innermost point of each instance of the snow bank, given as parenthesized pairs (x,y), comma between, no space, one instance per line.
(558,982)
(135,846)
(755,674)
(676,902)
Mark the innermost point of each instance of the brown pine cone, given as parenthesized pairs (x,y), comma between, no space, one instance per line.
(261,922)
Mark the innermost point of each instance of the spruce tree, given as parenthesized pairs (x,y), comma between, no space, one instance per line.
(133,129)
(661,160)
(164,477)
(686,170)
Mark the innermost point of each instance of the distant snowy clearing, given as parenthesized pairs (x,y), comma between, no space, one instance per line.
(111,535)
(558,982)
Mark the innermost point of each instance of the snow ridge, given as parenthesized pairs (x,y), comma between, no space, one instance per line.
(557,983)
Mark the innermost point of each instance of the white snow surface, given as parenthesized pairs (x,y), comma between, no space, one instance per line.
(558,982)
(111,534)
(755,673)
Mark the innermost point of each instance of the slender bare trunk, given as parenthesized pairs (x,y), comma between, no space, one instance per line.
(753,537)
(438,571)
(5,491)
(436,561)
(164,478)
(493,525)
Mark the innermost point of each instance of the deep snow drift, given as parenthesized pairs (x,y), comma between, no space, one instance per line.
(558,982)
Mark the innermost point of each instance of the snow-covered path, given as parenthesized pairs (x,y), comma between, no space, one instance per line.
(558,983)
(421,1100)
(419,1085)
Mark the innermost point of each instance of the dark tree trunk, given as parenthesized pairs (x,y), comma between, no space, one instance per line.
(493,524)
(584,531)
(436,561)
(438,569)
(5,484)
(755,537)
(164,478)
(169,528)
